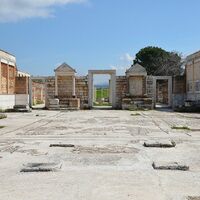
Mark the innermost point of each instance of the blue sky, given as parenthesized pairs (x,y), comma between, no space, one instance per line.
(94,34)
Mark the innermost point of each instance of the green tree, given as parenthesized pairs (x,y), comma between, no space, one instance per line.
(159,62)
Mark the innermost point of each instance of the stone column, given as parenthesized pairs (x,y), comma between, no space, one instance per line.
(90,88)
(113,86)
(56,85)
(30,93)
(110,92)
(94,93)
(73,86)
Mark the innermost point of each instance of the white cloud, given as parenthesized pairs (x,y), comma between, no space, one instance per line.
(127,57)
(14,10)
(123,63)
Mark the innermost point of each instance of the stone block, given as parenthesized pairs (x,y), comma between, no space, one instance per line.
(170,166)
(62,145)
(54,101)
(160,144)
(41,167)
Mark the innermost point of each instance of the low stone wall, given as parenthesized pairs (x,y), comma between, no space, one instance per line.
(133,103)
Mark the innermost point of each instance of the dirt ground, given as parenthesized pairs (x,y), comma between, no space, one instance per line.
(108,162)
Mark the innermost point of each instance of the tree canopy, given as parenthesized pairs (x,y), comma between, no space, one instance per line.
(159,62)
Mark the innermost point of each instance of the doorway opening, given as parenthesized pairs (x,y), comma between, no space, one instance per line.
(162,91)
(162,96)
(102,92)
(38,93)
(102,89)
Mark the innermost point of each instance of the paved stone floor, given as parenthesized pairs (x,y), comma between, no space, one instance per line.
(108,162)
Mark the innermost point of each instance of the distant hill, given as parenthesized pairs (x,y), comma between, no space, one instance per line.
(102,86)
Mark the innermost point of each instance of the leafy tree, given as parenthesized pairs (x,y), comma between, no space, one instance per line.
(159,62)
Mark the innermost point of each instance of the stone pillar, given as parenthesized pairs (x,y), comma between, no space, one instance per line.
(30,92)
(73,86)
(113,86)
(56,85)
(110,92)
(94,93)
(90,88)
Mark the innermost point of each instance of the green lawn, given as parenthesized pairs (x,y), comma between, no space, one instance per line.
(102,93)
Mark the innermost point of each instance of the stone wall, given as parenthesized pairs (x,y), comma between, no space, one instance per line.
(179,91)
(121,90)
(82,91)
(64,86)
(149,86)
(179,85)
(50,90)
(193,77)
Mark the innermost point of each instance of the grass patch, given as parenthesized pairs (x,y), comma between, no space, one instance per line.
(181,128)
(102,93)
(3,116)
(135,114)
(2,127)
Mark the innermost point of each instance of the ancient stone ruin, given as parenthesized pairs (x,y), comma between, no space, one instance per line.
(135,90)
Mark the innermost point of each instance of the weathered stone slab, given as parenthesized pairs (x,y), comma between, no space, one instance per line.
(41,167)
(62,145)
(54,101)
(160,144)
(193,198)
(170,166)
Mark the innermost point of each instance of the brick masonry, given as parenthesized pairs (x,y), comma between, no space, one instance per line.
(21,85)
(8,74)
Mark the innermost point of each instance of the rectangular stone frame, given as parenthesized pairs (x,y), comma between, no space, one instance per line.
(31,79)
(169,78)
(112,73)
